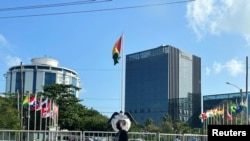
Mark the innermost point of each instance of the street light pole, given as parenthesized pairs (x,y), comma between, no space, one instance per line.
(241,96)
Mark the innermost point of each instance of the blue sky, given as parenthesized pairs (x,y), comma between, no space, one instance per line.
(81,37)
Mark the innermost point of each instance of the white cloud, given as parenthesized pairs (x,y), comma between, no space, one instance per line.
(208,71)
(217,67)
(5,52)
(3,41)
(234,67)
(12,61)
(219,16)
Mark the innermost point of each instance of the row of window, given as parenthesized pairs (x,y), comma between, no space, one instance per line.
(34,67)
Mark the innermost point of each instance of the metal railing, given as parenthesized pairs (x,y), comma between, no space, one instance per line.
(38,135)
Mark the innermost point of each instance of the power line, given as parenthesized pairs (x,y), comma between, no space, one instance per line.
(95,69)
(52,5)
(97,10)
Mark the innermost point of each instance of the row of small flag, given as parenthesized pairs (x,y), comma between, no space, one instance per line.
(231,108)
(47,107)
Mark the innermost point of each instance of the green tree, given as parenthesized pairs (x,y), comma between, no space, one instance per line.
(167,124)
(135,127)
(9,114)
(150,127)
(72,114)
(94,121)
(149,121)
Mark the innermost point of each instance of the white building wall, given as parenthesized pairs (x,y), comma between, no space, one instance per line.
(28,81)
(39,81)
(59,77)
(67,79)
(44,61)
(7,87)
(40,76)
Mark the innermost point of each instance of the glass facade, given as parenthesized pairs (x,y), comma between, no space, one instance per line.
(50,78)
(155,85)
(146,87)
(18,82)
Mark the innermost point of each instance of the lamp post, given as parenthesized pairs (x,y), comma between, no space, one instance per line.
(241,96)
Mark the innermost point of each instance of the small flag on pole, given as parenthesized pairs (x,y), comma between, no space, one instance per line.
(116,50)
(26,100)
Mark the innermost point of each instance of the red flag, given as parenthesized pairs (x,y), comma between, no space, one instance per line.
(229,116)
(116,50)
(32,100)
(46,108)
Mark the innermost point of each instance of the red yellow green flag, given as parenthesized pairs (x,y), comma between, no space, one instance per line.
(26,100)
(116,50)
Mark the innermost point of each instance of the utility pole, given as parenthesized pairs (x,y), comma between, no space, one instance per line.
(247,90)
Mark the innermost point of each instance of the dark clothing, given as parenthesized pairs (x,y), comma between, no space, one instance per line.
(122,135)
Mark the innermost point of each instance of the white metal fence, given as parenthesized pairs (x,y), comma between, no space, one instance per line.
(38,135)
(110,136)
(182,137)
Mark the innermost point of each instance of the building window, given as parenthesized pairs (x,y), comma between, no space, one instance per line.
(18,81)
(74,81)
(74,84)
(50,78)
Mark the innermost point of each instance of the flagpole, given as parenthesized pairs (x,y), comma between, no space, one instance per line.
(123,79)
(50,107)
(18,105)
(232,116)
(28,116)
(21,93)
(52,115)
(227,113)
(40,107)
(35,111)
(56,116)
(223,118)
(118,53)
(45,124)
